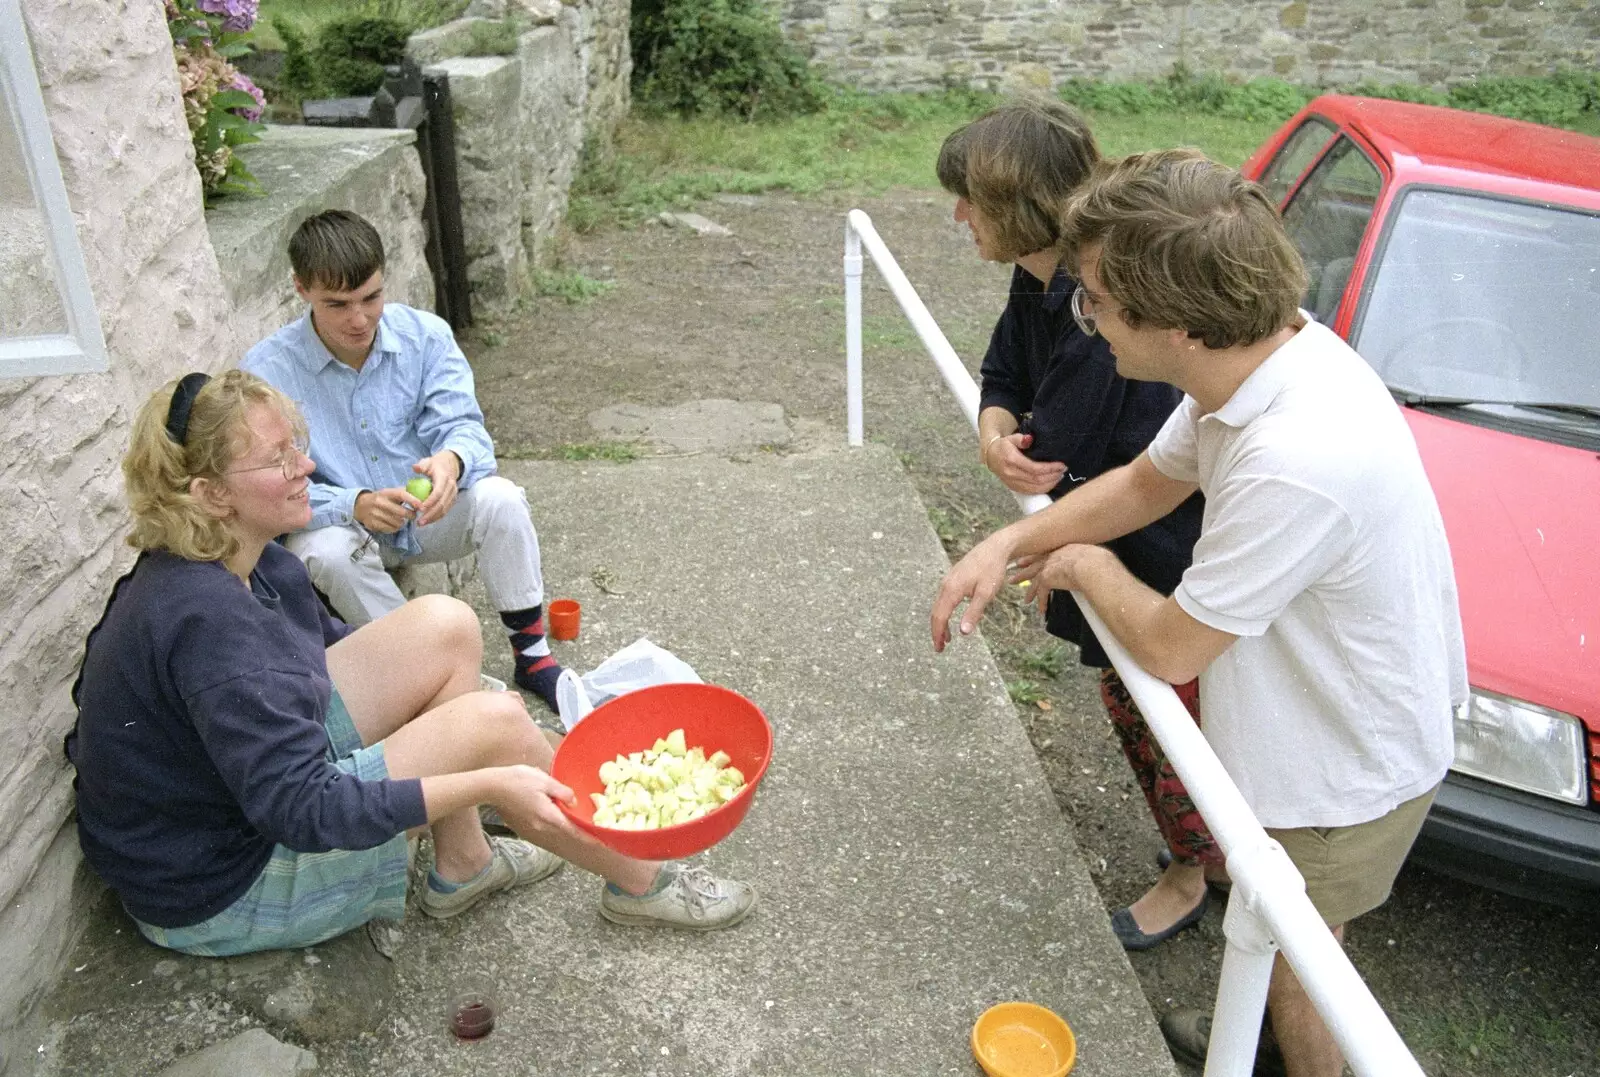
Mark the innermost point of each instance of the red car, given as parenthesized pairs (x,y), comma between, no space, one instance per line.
(1459,253)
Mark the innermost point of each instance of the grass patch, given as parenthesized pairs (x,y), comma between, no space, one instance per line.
(569,284)
(1045,661)
(1476,1037)
(496,38)
(857,143)
(1025,693)
(866,144)
(616,452)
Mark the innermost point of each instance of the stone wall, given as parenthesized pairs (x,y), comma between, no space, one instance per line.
(523,123)
(928,44)
(305,170)
(111,91)
(167,306)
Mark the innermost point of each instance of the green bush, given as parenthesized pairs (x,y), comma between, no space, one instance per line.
(1401,91)
(1558,100)
(717,57)
(299,74)
(1184,92)
(352,53)
(347,60)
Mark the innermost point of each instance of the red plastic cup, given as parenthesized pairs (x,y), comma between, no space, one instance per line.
(563,615)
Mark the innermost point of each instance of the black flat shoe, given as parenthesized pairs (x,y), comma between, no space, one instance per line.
(1127,930)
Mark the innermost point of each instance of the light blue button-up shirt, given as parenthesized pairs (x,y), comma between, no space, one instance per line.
(412,398)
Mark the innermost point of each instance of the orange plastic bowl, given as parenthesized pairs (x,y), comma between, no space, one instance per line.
(1020,1039)
(712,718)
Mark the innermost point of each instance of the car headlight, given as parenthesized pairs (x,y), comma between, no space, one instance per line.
(1521,745)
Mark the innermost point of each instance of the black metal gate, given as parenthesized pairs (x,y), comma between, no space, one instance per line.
(419,100)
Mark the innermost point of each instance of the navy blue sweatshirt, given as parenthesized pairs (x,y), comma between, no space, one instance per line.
(1064,389)
(200,742)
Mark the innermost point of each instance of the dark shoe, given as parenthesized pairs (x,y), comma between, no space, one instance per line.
(1221,889)
(1128,933)
(1188,1035)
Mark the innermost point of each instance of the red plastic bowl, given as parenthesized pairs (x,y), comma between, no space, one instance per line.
(712,718)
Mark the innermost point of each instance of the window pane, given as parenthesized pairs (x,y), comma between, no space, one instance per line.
(1478,298)
(1301,149)
(30,300)
(1327,219)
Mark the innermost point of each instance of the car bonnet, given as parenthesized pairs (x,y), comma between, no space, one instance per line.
(1523,519)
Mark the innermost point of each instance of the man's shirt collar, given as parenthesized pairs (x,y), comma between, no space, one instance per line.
(1266,381)
(314,355)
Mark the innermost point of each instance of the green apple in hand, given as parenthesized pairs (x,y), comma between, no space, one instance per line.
(420,487)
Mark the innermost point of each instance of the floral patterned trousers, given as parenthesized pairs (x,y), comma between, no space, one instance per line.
(1180,824)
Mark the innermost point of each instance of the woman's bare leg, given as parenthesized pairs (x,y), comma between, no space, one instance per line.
(425,653)
(409,679)
(405,663)
(490,729)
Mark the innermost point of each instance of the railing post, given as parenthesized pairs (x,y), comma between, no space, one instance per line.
(852,334)
(1241,992)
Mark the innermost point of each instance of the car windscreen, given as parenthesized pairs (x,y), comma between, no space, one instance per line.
(1478,298)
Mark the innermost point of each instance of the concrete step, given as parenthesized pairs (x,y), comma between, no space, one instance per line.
(912,864)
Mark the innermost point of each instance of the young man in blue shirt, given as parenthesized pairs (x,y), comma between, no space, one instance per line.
(389,397)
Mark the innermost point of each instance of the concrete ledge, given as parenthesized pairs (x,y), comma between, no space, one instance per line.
(306,170)
(912,864)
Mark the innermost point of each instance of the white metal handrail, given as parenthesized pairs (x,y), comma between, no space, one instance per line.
(1268,908)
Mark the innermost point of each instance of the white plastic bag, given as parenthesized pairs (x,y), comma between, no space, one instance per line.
(638,665)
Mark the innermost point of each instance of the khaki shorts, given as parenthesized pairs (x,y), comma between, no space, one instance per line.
(1350,870)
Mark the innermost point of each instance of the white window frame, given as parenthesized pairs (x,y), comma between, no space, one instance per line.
(82,349)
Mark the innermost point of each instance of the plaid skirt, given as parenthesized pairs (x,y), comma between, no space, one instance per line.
(305,898)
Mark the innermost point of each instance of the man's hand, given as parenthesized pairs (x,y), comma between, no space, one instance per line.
(1005,457)
(976,577)
(444,470)
(1058,570)
(385,511)
(526,801)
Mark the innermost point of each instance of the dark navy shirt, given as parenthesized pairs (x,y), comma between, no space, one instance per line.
(200,741)
(1064,389)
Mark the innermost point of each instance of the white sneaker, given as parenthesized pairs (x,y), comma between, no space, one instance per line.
(693,899)
(513,862)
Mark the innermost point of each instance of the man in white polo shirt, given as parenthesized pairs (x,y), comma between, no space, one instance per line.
(1320,611)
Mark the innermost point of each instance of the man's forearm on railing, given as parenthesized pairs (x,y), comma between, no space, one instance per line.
(1112,505)
(1158,634)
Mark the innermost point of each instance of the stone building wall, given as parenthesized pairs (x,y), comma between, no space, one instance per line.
(928,44)
(177,289)
(111,91)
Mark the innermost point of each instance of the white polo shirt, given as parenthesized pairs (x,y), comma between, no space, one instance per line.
(1323,549)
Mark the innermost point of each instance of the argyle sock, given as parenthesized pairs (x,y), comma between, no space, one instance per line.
(536,669)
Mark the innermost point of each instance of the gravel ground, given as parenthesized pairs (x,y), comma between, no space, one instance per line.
(1479,984)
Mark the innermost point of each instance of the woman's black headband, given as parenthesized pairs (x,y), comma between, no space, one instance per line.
(182,400)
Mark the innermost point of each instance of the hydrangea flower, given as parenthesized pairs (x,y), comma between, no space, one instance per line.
(241,81)
(236,15)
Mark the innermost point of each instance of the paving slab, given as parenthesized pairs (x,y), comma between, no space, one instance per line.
(913,867)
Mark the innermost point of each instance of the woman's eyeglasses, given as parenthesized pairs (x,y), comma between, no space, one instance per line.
(287,463)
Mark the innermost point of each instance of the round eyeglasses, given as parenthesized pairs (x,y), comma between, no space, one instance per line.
(287,463)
